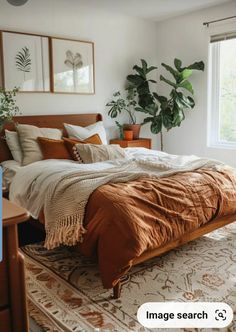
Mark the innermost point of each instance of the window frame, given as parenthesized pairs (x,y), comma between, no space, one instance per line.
(214,103)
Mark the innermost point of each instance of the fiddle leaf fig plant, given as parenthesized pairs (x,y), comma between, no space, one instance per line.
(8,107)
(140,82)
(164,112)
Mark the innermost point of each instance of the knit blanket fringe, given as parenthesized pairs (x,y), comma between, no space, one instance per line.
(69,231)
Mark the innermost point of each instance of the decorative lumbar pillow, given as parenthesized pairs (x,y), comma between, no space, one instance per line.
(13,142)
(28,135)
(70,144)
(83,133)
(53,149)
(92,153)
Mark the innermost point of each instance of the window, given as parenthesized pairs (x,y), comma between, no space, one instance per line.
(223,91)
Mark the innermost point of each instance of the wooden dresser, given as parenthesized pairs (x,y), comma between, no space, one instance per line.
(13,309)
(136,143)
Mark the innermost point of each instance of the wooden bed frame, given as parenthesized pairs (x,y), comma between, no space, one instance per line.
(56,121)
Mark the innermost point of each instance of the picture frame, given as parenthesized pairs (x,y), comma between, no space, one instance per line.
(25,62)
(72,64)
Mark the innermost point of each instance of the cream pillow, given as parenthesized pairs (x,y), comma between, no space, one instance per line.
(92,153)
(13,142)
(28,135)
(84,132)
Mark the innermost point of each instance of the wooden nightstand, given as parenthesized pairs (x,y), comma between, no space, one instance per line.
(137,143)
(13,309)
(5,192)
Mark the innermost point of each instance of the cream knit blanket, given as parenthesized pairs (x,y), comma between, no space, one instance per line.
(62,188)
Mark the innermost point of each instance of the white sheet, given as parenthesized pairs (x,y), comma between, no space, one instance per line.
(9,170)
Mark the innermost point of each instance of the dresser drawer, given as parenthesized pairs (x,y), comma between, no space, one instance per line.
(137,143)
(4,299)
(5,320)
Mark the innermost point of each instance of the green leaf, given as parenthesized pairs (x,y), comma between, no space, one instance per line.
(181,100)
(178,64)
(153,81)
(150,69)
(148,119)
(186,85)
(140,71)
(186,73)
(152,109)
(161,99)
(197,66)
(167,118)
(121,129)
(178,117)
(140,109)
(145,100)
(156,125)
(135,79)
(144,65)
(175,73)
(168,82)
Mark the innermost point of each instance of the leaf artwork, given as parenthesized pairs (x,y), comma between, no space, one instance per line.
(23,61)
(74,62)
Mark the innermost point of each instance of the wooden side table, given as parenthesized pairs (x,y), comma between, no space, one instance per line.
(5,192)
(141,143)
(13,308)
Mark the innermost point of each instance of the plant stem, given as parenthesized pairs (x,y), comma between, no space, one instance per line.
(131,116)
(161,136)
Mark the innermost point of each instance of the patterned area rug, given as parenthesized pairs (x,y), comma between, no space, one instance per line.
(65,291)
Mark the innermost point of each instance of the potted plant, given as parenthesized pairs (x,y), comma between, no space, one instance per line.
(164,112)
(8,107)
(125,105)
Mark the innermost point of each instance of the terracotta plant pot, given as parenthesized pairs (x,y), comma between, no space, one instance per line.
(128,135)
(135,129)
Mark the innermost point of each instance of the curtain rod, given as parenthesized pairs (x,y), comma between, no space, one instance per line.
(222,19)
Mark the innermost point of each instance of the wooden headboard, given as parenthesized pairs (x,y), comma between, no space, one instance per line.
(46,121)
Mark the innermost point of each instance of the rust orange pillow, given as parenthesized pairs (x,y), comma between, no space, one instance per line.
(70,144)
(53,149)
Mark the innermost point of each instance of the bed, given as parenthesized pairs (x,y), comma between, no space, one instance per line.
(219,188)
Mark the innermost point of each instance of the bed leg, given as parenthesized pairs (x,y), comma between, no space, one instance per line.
(117,290)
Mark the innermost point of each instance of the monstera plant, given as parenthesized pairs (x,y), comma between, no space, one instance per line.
(164,112)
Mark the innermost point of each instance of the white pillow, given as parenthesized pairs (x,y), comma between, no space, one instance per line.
(13,142)
(84,132)
(28,140)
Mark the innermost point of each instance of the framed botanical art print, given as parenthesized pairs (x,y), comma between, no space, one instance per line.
(25,62)
(72,66)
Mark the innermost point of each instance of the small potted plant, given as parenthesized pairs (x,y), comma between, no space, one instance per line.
(119,105)
(8,107)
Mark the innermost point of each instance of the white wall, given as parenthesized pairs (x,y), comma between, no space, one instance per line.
(120,42)
(186,38)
